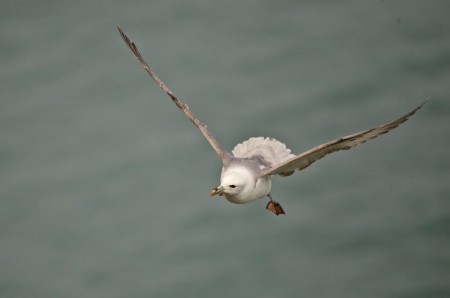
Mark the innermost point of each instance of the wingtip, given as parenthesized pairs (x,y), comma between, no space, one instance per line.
(120,30)
(422,104)
(426,100)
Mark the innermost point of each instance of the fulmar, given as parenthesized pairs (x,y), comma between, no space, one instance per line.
(247,170)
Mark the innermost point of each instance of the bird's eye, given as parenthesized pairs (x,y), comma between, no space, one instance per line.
(232,186)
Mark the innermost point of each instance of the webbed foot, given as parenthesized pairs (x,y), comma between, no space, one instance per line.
(275,208)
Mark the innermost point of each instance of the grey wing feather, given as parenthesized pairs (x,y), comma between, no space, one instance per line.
(303,160)
(223,155)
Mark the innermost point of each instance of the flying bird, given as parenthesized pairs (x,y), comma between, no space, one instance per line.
(247,170)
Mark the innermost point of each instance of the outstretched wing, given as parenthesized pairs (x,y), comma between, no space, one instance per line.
(305,159)
(182,106)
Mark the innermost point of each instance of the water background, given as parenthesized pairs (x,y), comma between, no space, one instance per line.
(105,186)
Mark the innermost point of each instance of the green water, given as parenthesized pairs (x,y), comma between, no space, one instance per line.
(105,186)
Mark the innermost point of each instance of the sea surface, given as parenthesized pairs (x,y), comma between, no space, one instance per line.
(104,185)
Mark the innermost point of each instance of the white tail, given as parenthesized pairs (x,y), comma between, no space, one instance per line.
(272,151)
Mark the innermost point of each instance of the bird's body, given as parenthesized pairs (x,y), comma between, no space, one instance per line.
(240,187)
(247,170)
(242,179)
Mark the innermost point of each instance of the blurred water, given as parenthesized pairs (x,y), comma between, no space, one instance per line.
(104,185)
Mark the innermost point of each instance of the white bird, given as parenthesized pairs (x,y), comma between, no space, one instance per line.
(247,170)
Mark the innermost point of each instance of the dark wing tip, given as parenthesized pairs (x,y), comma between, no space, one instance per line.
(130,45)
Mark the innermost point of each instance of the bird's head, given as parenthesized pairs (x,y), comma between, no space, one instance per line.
(234,184)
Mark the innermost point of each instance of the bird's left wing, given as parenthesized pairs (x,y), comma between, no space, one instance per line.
(223,155)
(303,160)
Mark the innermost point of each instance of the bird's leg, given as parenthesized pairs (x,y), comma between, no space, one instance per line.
(274,206)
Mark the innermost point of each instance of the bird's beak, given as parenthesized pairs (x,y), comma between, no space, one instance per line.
(217,190)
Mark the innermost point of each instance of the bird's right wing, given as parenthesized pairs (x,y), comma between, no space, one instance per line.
(305,159)
(182,106)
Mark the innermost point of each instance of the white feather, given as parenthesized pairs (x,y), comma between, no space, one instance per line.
(272,151)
